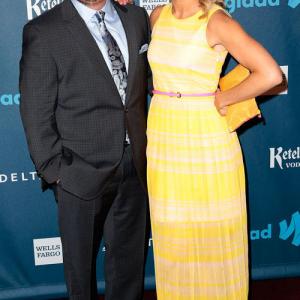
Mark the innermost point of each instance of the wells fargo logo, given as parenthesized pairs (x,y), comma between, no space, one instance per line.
(149,5)
(47,251)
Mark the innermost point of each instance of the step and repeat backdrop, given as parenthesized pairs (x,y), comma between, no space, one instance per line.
(30,248)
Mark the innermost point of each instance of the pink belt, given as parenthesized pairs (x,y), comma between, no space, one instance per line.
(179,95)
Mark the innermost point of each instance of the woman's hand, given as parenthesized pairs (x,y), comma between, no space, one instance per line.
(220,106)
(124,2)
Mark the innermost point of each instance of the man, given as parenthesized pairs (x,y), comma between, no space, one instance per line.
(83,84)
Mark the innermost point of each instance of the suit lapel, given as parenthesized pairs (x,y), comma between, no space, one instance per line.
(86,42)
(129,27)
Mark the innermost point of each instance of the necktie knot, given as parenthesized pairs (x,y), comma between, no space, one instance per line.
(100,15)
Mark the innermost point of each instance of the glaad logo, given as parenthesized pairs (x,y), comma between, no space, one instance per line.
(293,3)
(285,231)
(149,5)
(37,7)
(47,251)
(232,5)
(289,158)
(261,234)
(294,227)
(9,99)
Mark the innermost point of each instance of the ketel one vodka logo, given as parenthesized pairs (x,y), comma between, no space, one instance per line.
(37,7)
(284,158)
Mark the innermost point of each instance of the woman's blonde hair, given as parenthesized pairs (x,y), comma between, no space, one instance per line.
(206,4)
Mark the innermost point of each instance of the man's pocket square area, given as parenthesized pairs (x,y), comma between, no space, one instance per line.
(144,48)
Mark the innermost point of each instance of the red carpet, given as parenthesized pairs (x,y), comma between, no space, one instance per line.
(279,289)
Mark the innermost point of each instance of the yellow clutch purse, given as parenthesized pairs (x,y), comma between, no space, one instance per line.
(241,112)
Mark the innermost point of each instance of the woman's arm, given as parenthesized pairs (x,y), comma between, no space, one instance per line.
(155,15)
(222,31)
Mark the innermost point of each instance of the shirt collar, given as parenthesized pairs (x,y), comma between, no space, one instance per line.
(88,14)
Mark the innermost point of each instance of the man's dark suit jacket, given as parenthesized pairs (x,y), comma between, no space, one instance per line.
(71,110)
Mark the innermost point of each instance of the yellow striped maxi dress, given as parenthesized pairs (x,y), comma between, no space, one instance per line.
(195,170)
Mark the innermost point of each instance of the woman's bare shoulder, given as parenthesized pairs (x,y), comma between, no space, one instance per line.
(155,14)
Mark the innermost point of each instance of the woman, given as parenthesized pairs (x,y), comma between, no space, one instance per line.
(195,166)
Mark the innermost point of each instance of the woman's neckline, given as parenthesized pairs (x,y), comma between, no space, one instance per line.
(200,11)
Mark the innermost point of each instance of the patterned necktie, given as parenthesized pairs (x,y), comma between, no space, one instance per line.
(119,73)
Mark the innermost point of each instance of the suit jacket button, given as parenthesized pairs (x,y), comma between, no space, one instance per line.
(126,110)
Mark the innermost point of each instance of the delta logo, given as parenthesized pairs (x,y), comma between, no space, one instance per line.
(233,5)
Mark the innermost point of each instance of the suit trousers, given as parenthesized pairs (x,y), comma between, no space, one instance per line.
(118,215)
